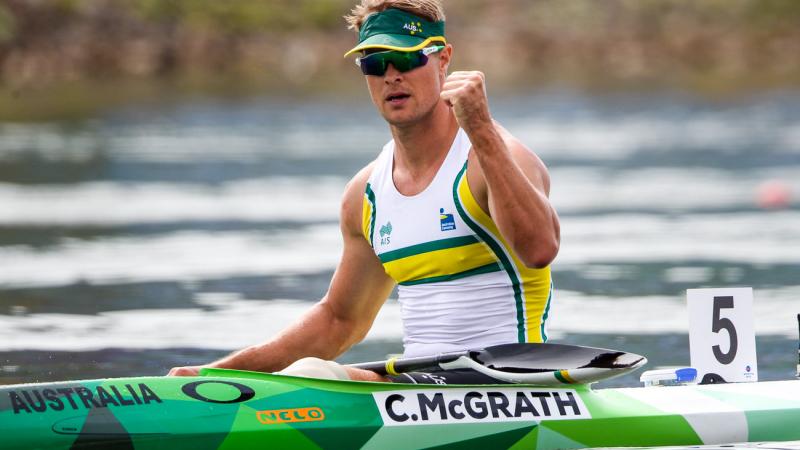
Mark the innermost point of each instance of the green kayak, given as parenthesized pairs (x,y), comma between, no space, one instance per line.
(226,409)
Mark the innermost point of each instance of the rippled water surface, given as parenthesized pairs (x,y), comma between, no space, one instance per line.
(149,238)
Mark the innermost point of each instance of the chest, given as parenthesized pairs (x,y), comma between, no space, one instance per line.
(404,222)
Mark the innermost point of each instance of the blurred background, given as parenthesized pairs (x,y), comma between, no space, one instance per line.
(170,170)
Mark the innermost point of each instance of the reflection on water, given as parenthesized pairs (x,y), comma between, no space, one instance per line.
(150,238)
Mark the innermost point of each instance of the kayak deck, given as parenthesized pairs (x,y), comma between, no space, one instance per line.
(235,410)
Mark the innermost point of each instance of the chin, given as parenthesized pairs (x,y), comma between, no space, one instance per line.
(404,118)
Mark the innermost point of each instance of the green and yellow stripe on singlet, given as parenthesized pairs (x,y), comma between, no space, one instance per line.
(532,287)
(368,214)
(437,261)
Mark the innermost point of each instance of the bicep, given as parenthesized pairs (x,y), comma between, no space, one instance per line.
(531,166)
(524,162)
(360,285)
(529,163)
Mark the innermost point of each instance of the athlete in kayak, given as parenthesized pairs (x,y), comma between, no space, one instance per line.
(454,210)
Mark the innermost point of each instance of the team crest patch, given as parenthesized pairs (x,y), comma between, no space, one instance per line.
(446,220)
(413,28)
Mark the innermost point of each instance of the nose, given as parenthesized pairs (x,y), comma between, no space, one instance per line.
(392,75)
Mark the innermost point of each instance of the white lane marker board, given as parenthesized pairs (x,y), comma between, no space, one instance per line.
(721,336)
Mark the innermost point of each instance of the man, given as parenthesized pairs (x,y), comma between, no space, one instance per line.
(455,210)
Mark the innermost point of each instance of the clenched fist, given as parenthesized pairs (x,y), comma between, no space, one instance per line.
(465,92)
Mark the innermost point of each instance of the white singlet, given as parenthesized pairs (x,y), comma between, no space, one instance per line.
(460,285)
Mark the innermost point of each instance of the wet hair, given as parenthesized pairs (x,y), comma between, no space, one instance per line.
(430,10)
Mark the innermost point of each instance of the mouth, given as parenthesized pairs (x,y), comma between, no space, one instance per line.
(397,97)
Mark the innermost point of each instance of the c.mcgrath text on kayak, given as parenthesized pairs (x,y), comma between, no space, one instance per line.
(416,407)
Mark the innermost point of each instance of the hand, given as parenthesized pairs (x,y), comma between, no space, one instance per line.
(465,92)
(188,371)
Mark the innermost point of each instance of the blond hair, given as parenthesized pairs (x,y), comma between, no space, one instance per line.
(430,10)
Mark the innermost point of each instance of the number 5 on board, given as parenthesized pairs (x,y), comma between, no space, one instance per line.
(721,337)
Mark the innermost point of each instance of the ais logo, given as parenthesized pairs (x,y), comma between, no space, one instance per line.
(446,220)
(386,232)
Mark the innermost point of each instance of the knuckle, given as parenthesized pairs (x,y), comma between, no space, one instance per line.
(181,371)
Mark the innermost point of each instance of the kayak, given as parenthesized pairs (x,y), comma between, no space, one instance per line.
(228,409)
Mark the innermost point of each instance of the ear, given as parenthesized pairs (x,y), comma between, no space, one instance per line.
(444,59)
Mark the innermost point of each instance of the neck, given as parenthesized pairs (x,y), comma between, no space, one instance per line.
(420,145)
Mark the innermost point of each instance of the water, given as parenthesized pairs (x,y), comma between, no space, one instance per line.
(156,237)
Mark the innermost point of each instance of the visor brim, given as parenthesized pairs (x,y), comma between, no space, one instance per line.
(403,43)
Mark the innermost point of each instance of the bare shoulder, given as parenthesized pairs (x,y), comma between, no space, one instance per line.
(527,159)
(353,200)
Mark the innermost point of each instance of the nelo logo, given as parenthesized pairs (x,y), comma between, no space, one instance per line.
(274,416)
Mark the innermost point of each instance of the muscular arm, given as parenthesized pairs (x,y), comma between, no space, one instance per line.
(506,178)
(514,185)
(344,315)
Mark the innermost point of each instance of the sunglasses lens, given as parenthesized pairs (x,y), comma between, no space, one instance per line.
(373,64)
(376,63)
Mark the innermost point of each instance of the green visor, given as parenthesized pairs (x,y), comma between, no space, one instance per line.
(394,29)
